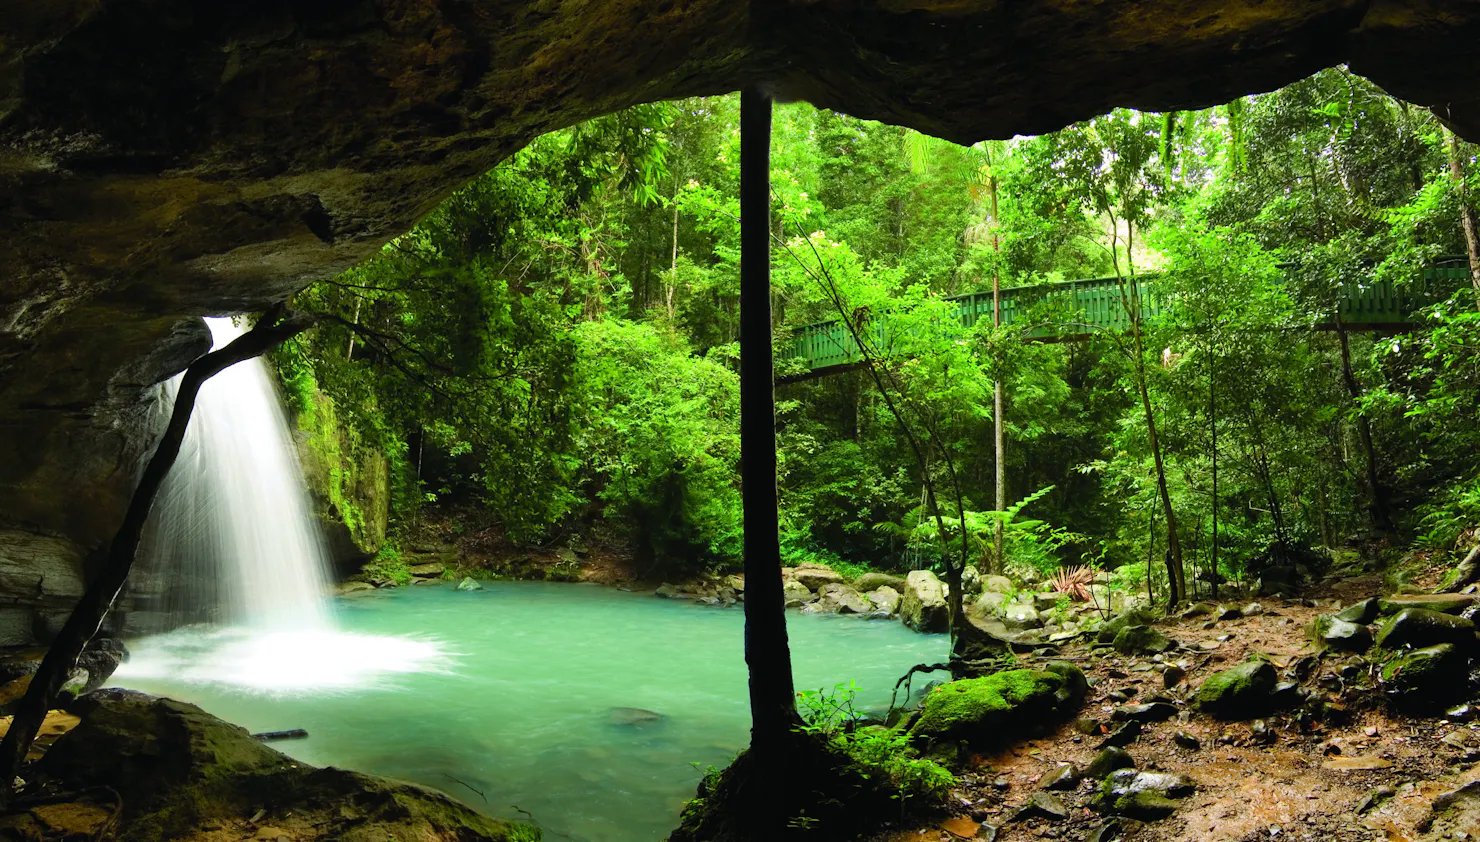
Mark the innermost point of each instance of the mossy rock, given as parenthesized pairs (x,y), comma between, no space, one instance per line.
(1417,628)
(1425,680)
(997,708)
(1331,631)
(1361,613)
(1244,692)
(1444,603)
(1138,615)
(1145,796)
(1141,640)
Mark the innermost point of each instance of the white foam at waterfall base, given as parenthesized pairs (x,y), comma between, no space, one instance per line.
(233,541)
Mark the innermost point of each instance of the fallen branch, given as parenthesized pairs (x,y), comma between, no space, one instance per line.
(87,617)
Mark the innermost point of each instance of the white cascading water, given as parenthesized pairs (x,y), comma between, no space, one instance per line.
(236,561)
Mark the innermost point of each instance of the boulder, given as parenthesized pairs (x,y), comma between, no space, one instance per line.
(1141,640)
(183,774)
(634,717)
(1362,613)
(1065,777)
(989,603)
(922,606)
(999,707)
(1147,713)
(815,577)
(1138,615)
(822,606)
(795,593)
(872,581)
(1244,692)
(1043,805)
(997,584)
(432,569)
(885,599)
(468,583)
(1421,627)
(971,581)
(1145,796)
(1444,603)
(1046,602)
(847,600)
(1330,631)
(1021,617)
(1425,680)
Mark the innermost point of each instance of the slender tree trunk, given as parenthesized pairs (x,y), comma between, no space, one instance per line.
(673,263)
(92,609)
(1377,508)
(767,653)
(1466,211)
(1213,430)
(1000,452)
(349,353)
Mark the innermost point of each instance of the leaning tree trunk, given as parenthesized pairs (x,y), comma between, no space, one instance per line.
(767,653)
(88,615)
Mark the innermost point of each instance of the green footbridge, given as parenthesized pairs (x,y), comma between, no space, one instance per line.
(1083,308)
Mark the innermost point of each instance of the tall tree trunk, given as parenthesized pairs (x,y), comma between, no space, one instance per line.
(92,609)
(999,562)
(1466,211)
(1213,431)
(1377,506)
(767,653)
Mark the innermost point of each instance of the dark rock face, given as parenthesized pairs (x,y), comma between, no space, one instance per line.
(177,768)
(169,159)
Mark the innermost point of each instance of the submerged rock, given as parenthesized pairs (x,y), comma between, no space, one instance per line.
(1244,692)
(179,770)
(995,708)
(468,583)
(634,717)
(923,606)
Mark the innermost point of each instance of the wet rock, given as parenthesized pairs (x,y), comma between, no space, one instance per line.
(814,577)
(1138,615)
(1065,777)
(1145,714)
(1172,676)
(431,569)
(1141,640)
(1243,692)
(1425,680)
(846,599)
(886,599)
(1287,694)
(820,606)
(1043,805)
(1229,612)
(468,583)
(1122,736)
(101,657)
(1331,631)
(923,606)
(1145,796)
(1421,627)
(986,711)
(872,581)
(348,588)
(1362,613)
(1187,741)
(181,770)
(1108,760)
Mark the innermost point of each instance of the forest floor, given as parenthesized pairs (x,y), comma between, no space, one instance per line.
(1359,774)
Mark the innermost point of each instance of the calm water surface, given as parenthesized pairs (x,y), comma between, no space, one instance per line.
(505,698)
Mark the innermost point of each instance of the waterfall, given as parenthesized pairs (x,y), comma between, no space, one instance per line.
(233,539)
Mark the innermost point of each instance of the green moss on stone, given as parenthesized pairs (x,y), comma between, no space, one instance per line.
(993,708)
(1243,692)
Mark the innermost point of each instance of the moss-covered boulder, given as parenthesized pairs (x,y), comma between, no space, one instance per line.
(177,769)
(998,708)
(1418,628)
(1138,615)
(1244,692)
(1108,760)
(1361,613)
(1425,680)
(1332,632)
(1141,640)
(1444,603)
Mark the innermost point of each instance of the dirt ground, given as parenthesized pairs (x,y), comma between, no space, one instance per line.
(1312,782)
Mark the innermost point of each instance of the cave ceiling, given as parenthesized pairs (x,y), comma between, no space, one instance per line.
(161,158)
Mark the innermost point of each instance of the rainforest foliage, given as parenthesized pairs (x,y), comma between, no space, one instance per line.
(555,345)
